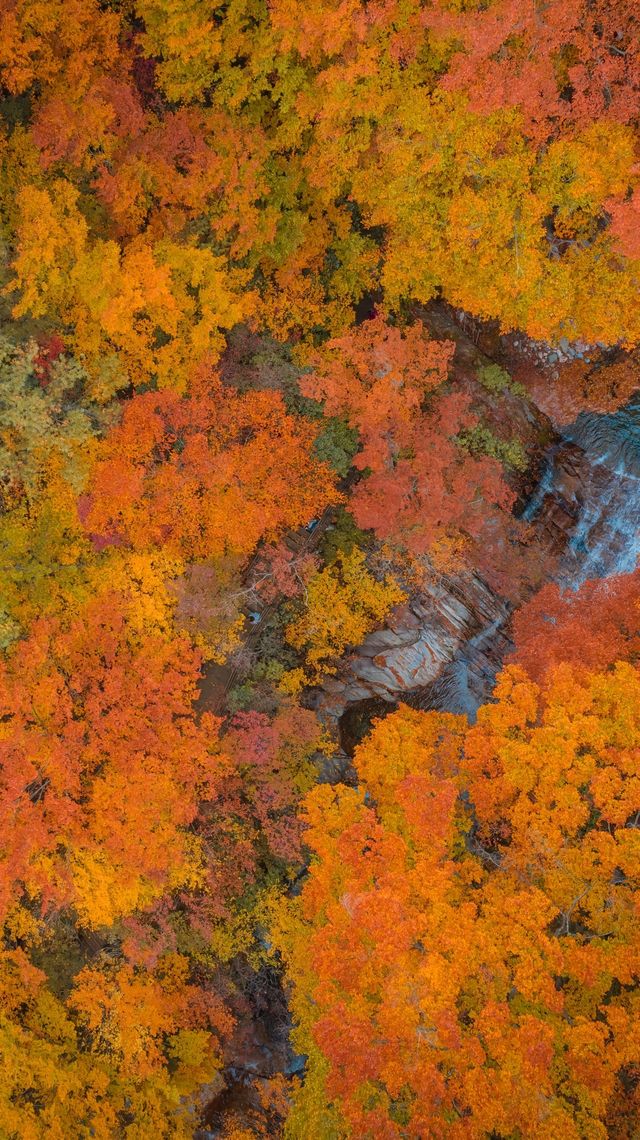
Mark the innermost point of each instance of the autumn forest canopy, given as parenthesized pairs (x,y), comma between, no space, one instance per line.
(319,615)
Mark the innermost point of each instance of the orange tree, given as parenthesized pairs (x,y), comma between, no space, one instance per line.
(464,954)
(207,474)
(103,765)
(420,485)
(589,628)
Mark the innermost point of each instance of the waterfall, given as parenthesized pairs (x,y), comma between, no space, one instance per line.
(544,487)
(464,683)
(604,541)
(607,538)
(612,439)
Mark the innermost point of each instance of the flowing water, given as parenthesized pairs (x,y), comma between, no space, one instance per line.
(607,538)
(467,681)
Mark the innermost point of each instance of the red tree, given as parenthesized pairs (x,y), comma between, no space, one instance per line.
(419,484)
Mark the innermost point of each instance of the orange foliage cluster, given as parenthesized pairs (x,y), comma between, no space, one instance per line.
(590,628)
(179,170)
(102,765)
(419,486)
(465,951)
(205,475)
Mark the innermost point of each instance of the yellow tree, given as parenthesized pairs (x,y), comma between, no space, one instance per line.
(117,1059)
(342,604)
(142,312)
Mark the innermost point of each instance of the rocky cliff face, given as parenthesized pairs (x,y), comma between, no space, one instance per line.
(419,641)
